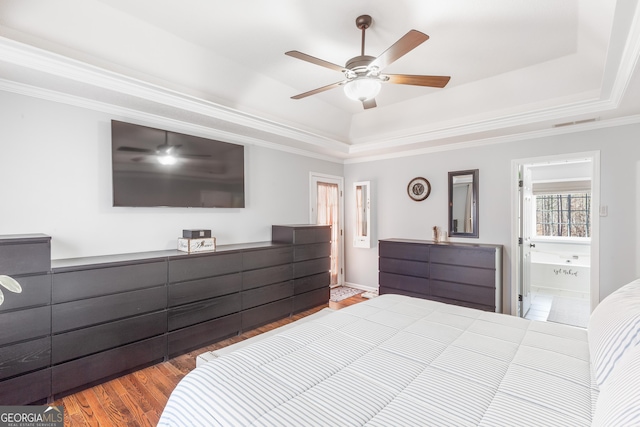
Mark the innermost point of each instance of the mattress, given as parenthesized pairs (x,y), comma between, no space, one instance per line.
(396,360)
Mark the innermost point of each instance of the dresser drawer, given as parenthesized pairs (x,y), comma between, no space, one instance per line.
(93,311)
(313,266)
(24,357)
(266,294)
(25,324)
(481,295)
(80,284)
(201,289)
(191,314)
(470,257)
(468,275)
(416,285)
(202,334)
(404,267)
(312,251)
(70,375)
(82,342)
(200,266)
(311,299)
(266,276)
(266,313)
(406,251)
(252,260)
(21,254)
(36,290)
(301,235)
(26,389)
(310,283)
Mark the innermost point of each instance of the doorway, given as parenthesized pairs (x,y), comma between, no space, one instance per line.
(327,208)
(555,269)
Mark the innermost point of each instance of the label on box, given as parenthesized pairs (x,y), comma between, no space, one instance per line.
(197,245)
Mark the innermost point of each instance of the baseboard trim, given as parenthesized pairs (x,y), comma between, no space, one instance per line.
(362,287)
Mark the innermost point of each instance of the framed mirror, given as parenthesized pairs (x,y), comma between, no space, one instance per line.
(463,203)
(362,236)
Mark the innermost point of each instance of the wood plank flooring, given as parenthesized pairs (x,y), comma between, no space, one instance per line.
(138,399)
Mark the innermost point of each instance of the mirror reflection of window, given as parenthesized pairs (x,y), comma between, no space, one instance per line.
(362,235)
(462,203)
(361,210)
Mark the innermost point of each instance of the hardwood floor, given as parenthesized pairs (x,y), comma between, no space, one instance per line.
(137,399)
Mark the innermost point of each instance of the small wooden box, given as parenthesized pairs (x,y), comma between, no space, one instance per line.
(197,245)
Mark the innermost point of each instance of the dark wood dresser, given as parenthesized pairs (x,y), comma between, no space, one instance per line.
(311,262)
(25,320)
(464,274)
(81,321)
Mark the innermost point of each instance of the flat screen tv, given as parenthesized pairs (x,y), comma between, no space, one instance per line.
(153,167)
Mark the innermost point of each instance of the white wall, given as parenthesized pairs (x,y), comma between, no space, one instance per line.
(395,215)
(55,178)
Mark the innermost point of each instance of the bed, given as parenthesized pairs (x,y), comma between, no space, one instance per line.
(396,360)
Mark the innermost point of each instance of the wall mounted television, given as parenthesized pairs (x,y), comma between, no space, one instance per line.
(153,167)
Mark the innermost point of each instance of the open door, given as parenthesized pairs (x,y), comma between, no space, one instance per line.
(327,209)
(525,245)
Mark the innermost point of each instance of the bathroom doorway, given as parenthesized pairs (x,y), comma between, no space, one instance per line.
(556,229)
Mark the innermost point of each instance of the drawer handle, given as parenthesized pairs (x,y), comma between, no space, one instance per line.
(10,284)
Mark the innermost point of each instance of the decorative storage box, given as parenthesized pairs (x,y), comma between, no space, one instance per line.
(197,245)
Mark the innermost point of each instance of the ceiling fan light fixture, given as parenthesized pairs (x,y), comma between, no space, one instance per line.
(167,159)
(362,89)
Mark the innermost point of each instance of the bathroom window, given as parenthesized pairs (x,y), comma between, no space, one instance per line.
(563,215)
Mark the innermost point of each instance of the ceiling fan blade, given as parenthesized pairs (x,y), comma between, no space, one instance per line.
(314,60)
(369,103)
(134,149)
(194,156)
(406,79)
(318,90)
(407,43)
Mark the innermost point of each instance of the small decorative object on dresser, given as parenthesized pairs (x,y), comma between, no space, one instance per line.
(197,245)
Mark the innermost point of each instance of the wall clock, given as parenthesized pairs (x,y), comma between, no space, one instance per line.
(419,189)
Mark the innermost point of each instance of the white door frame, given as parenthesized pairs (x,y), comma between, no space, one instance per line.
(314,178)
(594,291)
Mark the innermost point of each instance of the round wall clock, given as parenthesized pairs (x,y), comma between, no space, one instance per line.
(419,189)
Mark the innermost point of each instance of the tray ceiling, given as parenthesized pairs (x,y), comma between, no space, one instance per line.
(516,66)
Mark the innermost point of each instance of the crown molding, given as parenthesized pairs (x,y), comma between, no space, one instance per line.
(31,57)
(452,130)
(153,119)
(519,137)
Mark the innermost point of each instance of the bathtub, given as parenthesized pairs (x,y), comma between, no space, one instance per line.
(560,272)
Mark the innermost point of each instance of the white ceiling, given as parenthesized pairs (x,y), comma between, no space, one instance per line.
(516,66)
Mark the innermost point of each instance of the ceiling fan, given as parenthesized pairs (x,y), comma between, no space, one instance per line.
(364,73)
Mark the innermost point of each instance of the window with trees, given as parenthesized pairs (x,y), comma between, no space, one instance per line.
(564,215)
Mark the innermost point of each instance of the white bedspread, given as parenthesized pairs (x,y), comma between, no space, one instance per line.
(395,361)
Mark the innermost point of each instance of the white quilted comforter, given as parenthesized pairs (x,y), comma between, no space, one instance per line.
(396,361)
